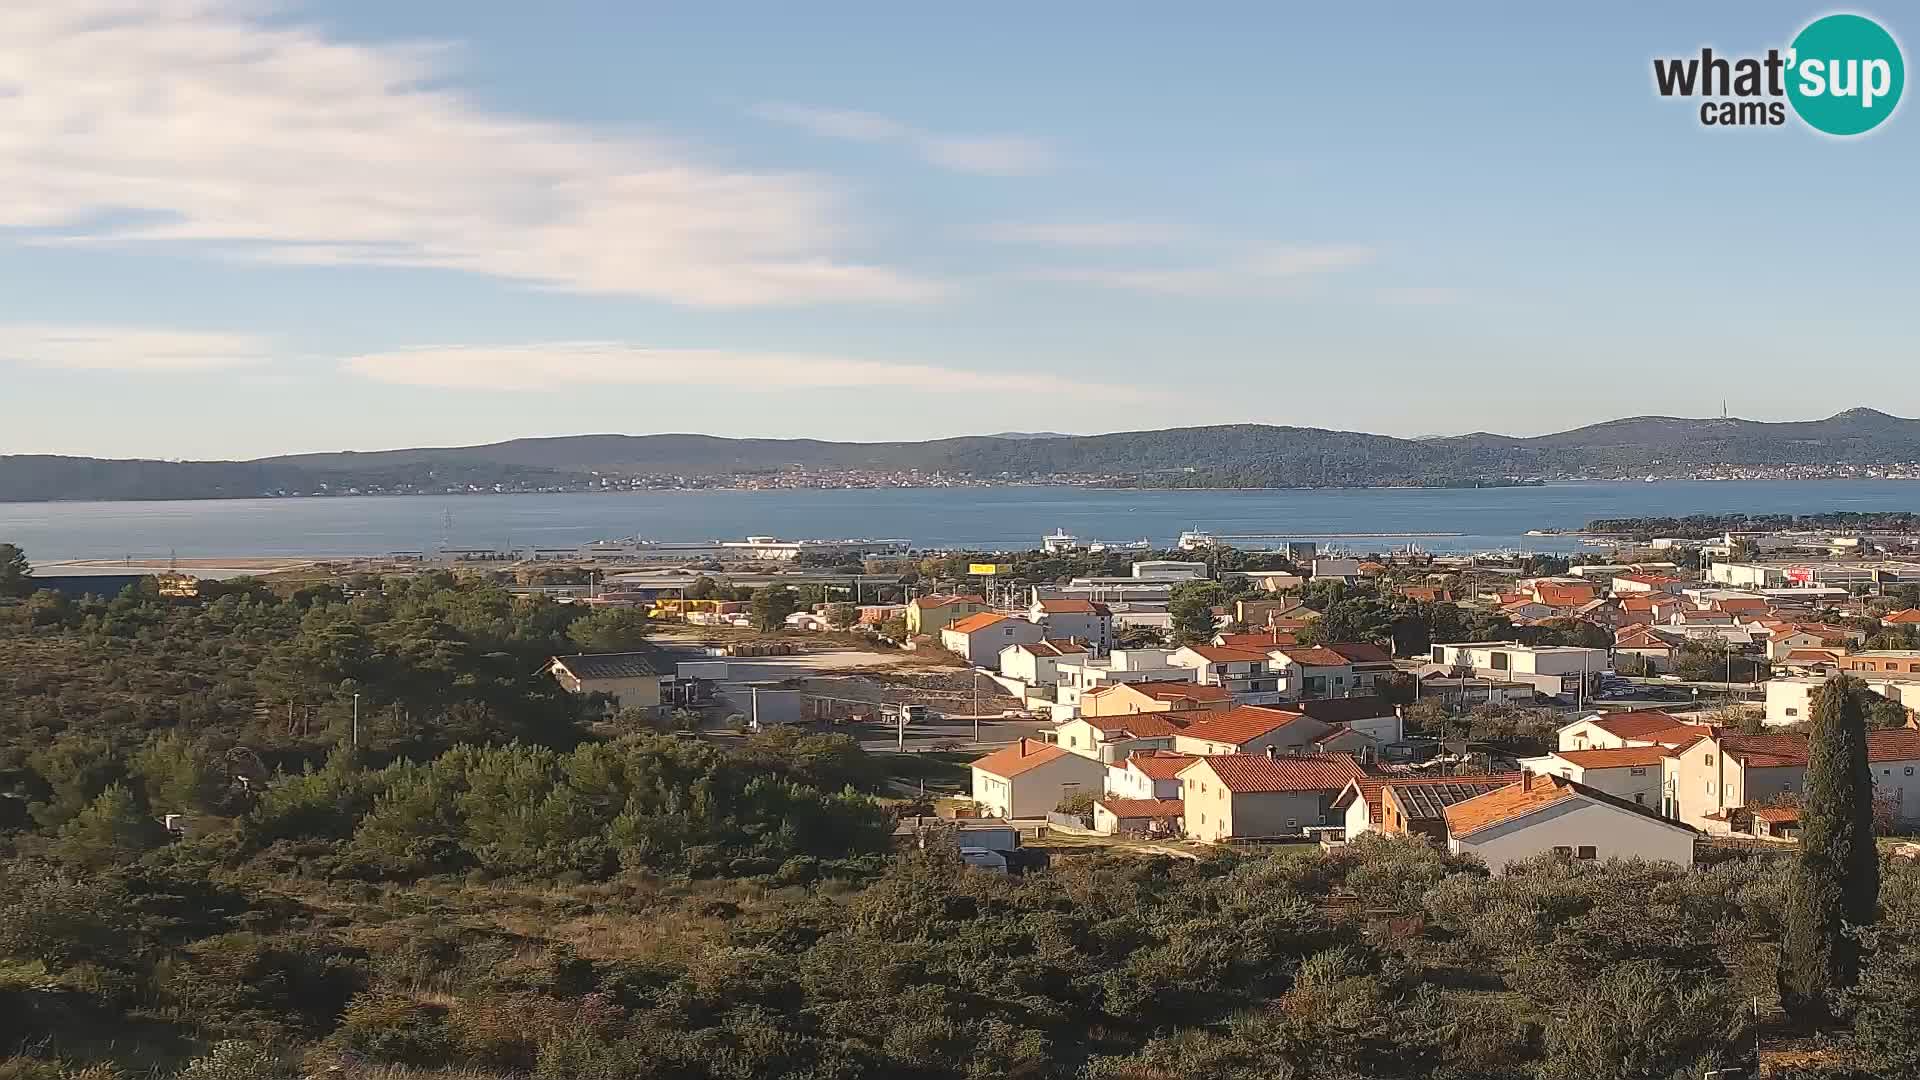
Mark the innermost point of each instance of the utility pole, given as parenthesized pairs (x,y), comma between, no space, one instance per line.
(356,721)
(976,706)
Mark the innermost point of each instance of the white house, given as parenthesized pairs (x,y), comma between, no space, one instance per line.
(1111,738)
(1603,731)
(1552,669)
(1029,778)
(1790,698)
(1038,663)
(1079,620)
(1245,673)
(1633,773)
(1544,813)
(979,638)
(1075,680)
(1147,774)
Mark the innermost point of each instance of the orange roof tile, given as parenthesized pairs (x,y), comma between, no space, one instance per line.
(1637,724)
(978,621)
(924,602)
(1360,652)
(1159,764)
(1072,607)
(1902,617)
(1505,804)
(1144,725)
(1245,774)
(1268,640)
(1183,691)
(1053,647)
(1241,725)
(1010,761)
(1314,656)
(1615,758)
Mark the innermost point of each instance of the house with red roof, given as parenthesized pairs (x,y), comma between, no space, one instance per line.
(1245,673)
(1251,796)
(1250,729)
(1599,731)
(1029,778)
(932,614)
(1545,813)
(1634,773)
(1726,771)
(1658,650)
(1147,774)
(1367,661)
(1401,805)
(1037,663)
(1903,617)
(1154,695)
(979,638)
(1112,738)
(1139,817)
(1082,620)
(1317,671)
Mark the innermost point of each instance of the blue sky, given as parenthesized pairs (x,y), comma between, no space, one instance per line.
(240,228)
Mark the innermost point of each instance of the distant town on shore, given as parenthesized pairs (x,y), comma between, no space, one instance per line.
(1858,443)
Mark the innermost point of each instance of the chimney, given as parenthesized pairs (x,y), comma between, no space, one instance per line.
(1526,777)
(1272,752)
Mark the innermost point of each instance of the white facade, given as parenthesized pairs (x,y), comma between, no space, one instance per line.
(1326,567)
(1119,666)
(1033,669)
(1585,828)
(1169,570)
(1036,791)
(1790,700)
(1642,785)
(981,648)
(1128,782)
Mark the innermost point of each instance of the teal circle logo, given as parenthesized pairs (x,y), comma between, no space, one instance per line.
(1845,74)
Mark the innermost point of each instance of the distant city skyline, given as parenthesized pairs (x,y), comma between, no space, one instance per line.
(233,229)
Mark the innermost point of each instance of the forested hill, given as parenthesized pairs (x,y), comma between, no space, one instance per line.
(1240,455)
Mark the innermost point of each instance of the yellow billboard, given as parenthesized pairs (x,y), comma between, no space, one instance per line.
(985,569)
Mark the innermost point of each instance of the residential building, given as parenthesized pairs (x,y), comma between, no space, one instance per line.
(1112,738)
(1029,778)
(1243,672)
(1138,817)
(1118,666)
(1250,729)
(1790,698)
(1036,663)
(979,638)
(1604,731)
(1623,584)
(1903,617)
(1148,774)
(1727,771)
(625,679)
(1633,773)
(1544,813)
(1397,806)
(1241,796)
(1657,650)
(1366,662)
(1168,570)
(1326,566)
(1314,671)
(1554,670)
(1882,662)
(1081,620)
(932,614)
(1256,640)
(1374,717)
(1125,699)
(1274,581)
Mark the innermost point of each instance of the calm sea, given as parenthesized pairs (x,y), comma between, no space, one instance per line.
(987,518)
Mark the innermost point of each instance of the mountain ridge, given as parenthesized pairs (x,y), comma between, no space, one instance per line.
(1218,455)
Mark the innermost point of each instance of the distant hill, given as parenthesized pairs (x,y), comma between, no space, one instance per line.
(1235,455)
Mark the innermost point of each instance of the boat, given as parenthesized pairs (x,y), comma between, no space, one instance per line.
(1195,539)
(1653,479)
(1059,540)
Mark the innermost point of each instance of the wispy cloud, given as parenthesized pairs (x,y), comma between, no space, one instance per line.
(1277,269)
(119,348)
(198,124)
(992,155)
(569,366)
(1087,234)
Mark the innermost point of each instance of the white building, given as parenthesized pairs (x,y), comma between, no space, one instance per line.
(1078,620)
(1028,779)
(1545,813)
(1552,669)
(1169,570)
(1119,666)
(1790,699)
(1037,663)
(1633,773)
(979,638)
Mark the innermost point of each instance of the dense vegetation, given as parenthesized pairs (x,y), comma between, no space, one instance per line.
(500,881)
(1236,455)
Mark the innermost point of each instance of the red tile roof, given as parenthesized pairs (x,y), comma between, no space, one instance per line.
(1144,725)
(1183,691)
(1370,788)
(1159,764)
(977,621)
(1072,607)
(1616,758)
(1360,652)
(1241,725)
(1902,617)
(1144,808)
(1246,774)
(1265,641)
(1786,750)
(1779,815)
(1637,724)
(1313,656)
(1010,761)
(1542,790)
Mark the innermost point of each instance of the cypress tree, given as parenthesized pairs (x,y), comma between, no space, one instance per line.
(1836,878)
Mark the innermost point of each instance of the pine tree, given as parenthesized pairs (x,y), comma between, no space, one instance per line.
(1836,878)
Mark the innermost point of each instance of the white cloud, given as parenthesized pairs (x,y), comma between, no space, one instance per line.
(192,122)
(109,348)
(565,367)
(993,155)
(1087,234)
(1267,272)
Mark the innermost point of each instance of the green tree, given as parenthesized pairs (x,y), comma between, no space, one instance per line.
(178,776)
(1191,608)
(113,829)
(1358,619)
(772,605)
(610,630)
(16,576)
(1836,877)
(842,615)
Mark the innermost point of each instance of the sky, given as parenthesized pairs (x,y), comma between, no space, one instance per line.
(235,228)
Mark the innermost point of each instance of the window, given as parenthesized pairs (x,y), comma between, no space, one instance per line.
(1709,787)
(1293,823)
(1637,770)
(1709,759)
(1563,852)
(1640,797)
(1587,851)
